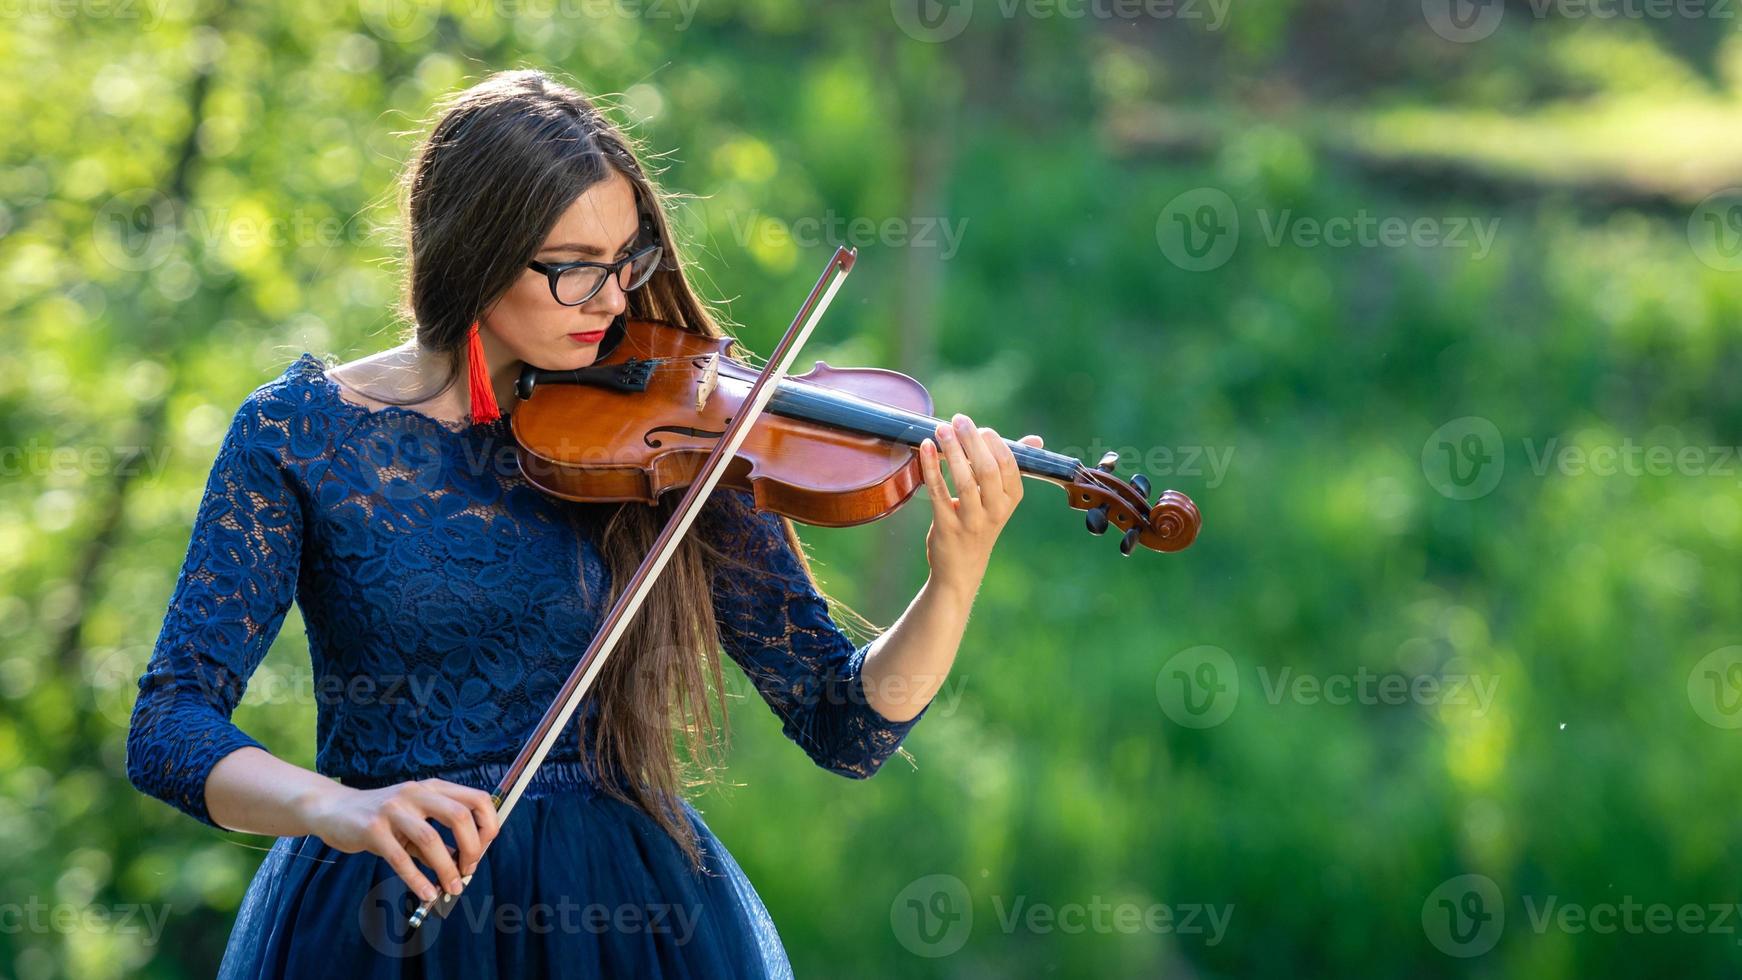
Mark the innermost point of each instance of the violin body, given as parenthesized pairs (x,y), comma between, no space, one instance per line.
(598,442)
(833,448)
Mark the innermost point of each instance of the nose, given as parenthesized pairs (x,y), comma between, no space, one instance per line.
(610,298)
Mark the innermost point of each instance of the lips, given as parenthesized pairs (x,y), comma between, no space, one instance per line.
(591,337)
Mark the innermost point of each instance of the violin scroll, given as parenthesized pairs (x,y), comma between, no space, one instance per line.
(1170,524)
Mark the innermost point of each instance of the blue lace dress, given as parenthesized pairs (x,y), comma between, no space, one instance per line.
(444,604)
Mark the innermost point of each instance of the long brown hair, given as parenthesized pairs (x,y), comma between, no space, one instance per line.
(502,163)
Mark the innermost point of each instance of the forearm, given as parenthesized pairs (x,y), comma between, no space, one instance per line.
(908,664)
(256,792)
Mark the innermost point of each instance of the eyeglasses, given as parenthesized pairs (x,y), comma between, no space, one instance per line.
(573,283)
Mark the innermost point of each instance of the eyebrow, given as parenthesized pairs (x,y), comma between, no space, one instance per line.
(580,249)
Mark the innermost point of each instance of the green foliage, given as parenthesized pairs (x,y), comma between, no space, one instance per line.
(193,198)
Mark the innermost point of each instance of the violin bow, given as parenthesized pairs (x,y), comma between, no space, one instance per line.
(514,782)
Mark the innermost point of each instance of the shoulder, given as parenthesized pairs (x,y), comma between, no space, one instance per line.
(287,416)
(298,386)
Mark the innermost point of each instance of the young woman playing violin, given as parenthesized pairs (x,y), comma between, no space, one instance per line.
(445,600)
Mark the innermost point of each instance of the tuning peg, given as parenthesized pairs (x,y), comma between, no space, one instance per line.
(1107,462)
(1128,543)
(1097,520)
(1141,482)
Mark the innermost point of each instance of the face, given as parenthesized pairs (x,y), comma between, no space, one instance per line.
(600,226)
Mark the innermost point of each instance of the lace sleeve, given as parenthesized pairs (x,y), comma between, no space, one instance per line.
(777,627)
(229,601)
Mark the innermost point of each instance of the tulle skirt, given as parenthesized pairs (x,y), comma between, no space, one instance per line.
(576,885)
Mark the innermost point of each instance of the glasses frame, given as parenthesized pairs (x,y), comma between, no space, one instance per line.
(554,271)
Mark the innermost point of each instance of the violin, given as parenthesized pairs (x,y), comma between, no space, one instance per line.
(836,447)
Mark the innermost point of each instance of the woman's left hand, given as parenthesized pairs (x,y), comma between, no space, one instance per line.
(965,527)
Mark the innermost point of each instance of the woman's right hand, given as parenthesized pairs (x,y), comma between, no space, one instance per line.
(394,822)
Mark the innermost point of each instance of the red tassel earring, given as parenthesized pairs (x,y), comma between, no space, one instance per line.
(484,407)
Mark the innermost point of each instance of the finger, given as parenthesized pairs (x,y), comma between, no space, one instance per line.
(943,508)
(1007,467)
(482,806)
(1006,479)
(979,448)
(400,861)
(961,471)
(422,839)
(459,820)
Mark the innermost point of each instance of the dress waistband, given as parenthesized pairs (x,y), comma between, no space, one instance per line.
(554,776)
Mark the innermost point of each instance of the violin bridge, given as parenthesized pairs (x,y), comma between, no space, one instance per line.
(709,381)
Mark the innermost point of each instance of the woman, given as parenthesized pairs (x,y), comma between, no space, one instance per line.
(446,600)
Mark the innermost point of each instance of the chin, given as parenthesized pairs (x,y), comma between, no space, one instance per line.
(580,357)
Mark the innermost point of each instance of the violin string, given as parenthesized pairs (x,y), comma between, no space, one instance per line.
(852,409)
(855,408)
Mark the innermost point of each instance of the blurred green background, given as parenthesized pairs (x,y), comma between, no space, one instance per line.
(1432,307)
